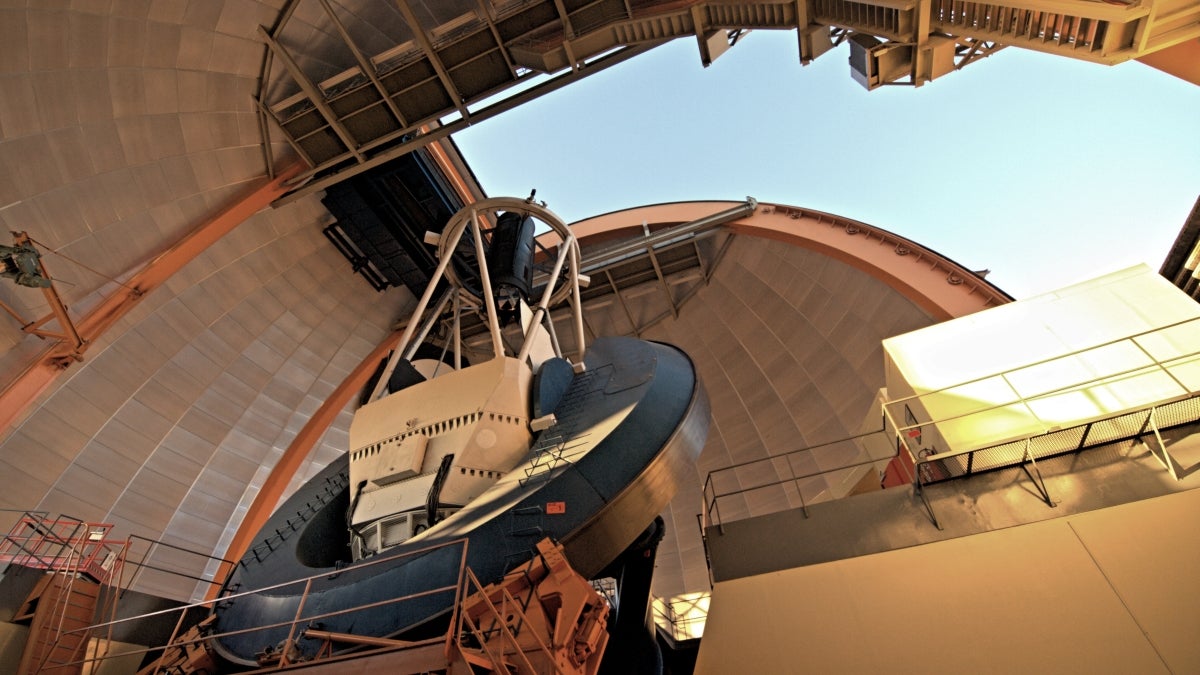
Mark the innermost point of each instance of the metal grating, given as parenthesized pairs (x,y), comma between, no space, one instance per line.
(561,444)
(1178,413)
(1128,426)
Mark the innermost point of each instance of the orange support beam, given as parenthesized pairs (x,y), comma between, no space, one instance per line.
(25,388)
(281,475)
(58,311)
(1182,60)
(287,466)
(442,159)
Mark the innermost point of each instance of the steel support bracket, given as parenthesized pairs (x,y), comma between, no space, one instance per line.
(919,490)
(1172,466)
(1039,483)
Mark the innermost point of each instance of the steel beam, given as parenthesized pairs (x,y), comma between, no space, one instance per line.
(313,93)
(936,284)
(1181,60)
(460,184)
(624,306)
(427,46)
(363,63)
(700,261)
(265,112)
(697,14)
(57,309)
(486,10)
(445,130)
(23,390)
(568,30)
(662,280)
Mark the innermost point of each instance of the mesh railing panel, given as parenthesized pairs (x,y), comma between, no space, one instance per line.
(1106,431)
(1179,412)
(1121,427)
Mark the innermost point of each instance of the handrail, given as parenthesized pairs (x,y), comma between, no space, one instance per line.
(27,512)
(709,487)
(807,475)
(504,629)
(1162,365)
(1028,456)
(896,432)
(33,537)
(41,530)
(291,582)
(154,544)
(28,554)
(797,451)
(299,618)
(69,550)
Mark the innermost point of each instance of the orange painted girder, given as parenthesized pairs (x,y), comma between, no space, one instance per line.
(281,474)
(1181,60)
(934,283)
(25,388)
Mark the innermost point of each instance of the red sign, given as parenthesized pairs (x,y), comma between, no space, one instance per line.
(556,507)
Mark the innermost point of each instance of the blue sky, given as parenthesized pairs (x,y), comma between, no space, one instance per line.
(1044,169)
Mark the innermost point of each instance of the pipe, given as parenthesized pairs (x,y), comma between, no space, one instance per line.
(605,257)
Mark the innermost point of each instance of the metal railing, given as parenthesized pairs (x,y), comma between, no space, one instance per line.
(61,544)
(1025,452)
(682,617)
(489,630)
(1152,364)
(1022,449)
(55,543)
(1047,438)
(77,557)
(146,562)
(511,615)
(296,626)
(770,479)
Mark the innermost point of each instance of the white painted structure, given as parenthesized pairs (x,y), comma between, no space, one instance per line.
(423,452)
(477,416)
(1118,343)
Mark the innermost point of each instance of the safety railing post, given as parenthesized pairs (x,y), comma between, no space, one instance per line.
(1039,482)
(287,643)
(717,506)
(796,482)
(455,632)
(919,489)
(1167,460)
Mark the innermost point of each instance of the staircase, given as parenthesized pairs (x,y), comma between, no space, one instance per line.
(558,445)
(58,612)
(78,560)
